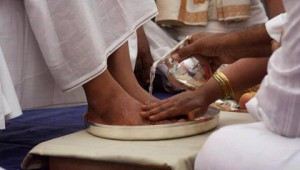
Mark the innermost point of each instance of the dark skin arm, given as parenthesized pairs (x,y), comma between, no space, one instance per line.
(274,7)
(247,49)
(227,48)
(193,103)
(245,43)
(144,59)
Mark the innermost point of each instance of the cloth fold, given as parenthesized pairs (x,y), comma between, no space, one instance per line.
(75,43)
(9,104)
(199,12)
(275,27)
(179,154)
(45,42)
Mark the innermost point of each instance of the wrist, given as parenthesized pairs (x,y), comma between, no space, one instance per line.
(224,84)
(210,91)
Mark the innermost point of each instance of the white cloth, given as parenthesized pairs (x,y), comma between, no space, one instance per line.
(266,145)
(275,27)
(72,45)
(278,99)
(31,77)
(179,154)
(9,104)
(248,147)
(258,16)
(76,42)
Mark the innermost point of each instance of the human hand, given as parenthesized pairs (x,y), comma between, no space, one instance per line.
(207,46)
(189,103)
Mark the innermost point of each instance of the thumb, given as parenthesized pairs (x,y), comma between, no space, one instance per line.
(185,52)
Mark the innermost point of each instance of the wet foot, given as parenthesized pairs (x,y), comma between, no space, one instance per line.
(119,110)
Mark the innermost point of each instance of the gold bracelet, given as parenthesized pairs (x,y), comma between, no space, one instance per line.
(224,83)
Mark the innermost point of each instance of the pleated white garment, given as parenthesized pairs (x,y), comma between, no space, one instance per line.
(76,42)
(273,143)
(277,102)
(54,46)
(9,104)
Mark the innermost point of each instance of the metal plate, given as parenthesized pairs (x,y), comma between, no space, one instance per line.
(202,124)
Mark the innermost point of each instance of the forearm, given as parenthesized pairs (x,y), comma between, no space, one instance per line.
(253,42)
(274,7)
(246,73)
(242,74)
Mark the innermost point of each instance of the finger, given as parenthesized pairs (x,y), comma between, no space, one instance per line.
(163,122)
(149,106)
(197,36)
(196,113)
(181,120)
(203,60)
(164,115)
(185,52)
(156,110)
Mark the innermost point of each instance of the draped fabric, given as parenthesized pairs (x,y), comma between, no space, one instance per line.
(274,142)
(54,46)
(179,31)
(200,12)
(9,104)
(277,102)
(76,42)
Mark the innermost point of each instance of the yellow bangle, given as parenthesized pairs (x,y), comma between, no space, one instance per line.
(224,84)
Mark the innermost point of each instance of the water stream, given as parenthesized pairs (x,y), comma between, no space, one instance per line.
(152,76)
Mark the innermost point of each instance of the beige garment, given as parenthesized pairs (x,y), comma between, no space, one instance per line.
(200,12)
(179,154)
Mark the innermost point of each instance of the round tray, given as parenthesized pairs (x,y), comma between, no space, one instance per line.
(202,124)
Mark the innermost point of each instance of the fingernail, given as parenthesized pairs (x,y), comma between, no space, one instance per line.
(143,114)
(152,117)
(175,56)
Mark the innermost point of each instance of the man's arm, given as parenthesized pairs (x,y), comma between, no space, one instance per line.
(251,42)
(274,7)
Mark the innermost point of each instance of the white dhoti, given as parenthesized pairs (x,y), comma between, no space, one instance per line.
(9,104)
(50,45)
(248,146)
(273,143)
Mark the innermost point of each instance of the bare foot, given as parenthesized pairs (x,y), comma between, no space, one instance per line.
(119,66)
(109,103)
(121,110)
